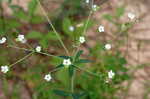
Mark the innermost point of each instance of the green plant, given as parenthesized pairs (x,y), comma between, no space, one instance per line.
(92,82)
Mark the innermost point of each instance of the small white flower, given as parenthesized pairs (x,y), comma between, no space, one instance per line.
(101,28)
(71,28)
(38,49)
(94,7)
(48,77)
(3,40)
(4,69)
(108,46)
(111,74)
(21,38)
(131,16)
(66,62)
(82,39)
(107,81)
(87,1)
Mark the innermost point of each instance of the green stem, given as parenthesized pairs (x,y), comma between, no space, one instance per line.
(56,69)
(32,51)
(50,23)
(11,46)
(72,82)
(84,31)
(20,60)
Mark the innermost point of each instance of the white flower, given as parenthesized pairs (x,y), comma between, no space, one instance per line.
(82,39)
(101,28)
(131,16)
(4,69)
(3,40)
(108,46)
(66,62)
(94,7)
(38,49)
(107,81)
(111,74)
(87,1)
(48,77)
(71,28)
(21,38)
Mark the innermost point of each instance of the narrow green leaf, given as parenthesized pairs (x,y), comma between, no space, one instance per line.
(34,35)
(61,93)
(32,7)
(83,61)
(60,65)
(108,17)
(66,25)
(78,54)
(78,95)
(19,13)
(120,11)
(64,57)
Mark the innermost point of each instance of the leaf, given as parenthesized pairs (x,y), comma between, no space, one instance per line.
(83,61)
(66,25)
(13,24)
(14,7)
(64,57)
(44,43)
(37,19)
(34,35)
(32,7)
(71,70)
(51,36)
(108,17)
(61,93)
(78,96)
(19,13)
(78,54)
(60,65)
(9,1)
(120,11)
(88,24)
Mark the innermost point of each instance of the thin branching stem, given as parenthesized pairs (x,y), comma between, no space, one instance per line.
(76,51)
(50,23)
(84,31)
(56,69)
(20,60)
(12,46)
(47,54)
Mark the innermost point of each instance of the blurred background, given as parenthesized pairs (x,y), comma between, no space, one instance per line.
(129,56)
